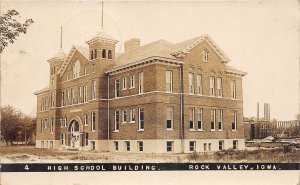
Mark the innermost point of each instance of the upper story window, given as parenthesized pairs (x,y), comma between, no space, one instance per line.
(92,55)
(191,83)
(62,98)
(200,121)
(204,54)
(192,118)
(79,100)
(95,53)
(93,67)
(132,115)
(52,99)
(220,119)
(234,121)
(169,118)
(199,84)
(233,89)
(117,120)
(212,85)
(93,121)
(109,54)
(72,96)
(169,81)
(76,69)
(131,84)
(85,119)
(103,53)
(117,88)
(219,87)
(93,89)
(124,83)
(85,93)
(141,119)
(52,70)
(141,83)
(213,119)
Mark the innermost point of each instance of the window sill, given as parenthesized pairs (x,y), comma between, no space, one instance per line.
(131,87)
(233,130)
(132,122)
(220,130)
(192,130)
(140,130)
(124,122)
(213,130)
(93,130)
(170,129)
(200,130)
(116,131)
(124,89)
(85,125)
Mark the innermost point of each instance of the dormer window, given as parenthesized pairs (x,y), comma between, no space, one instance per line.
(76,69)
(92,55)
(109,54)
(204,54)
(103,53)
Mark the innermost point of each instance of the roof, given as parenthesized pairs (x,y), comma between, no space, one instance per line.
(45,89)
(102,36)
(232,70)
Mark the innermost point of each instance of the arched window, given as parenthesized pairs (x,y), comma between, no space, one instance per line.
(109,54)
(76,69)
(103,53)
(204,54)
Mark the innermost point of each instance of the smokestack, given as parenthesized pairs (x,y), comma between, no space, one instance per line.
(267,111)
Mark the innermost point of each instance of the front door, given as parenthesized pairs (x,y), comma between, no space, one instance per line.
(75,135)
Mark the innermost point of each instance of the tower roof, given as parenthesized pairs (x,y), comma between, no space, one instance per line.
(102,36)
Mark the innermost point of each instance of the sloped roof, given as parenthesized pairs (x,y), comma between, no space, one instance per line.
(41,90)
(102,36)
(232,70)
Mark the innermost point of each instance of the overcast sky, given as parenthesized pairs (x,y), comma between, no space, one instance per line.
(260,37)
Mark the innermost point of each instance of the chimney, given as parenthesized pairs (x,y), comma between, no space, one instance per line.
(132,44)
(257,111)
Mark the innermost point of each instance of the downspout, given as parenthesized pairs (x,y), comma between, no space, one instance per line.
(108,113)
(181,109)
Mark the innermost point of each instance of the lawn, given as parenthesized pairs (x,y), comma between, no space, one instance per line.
(17,154)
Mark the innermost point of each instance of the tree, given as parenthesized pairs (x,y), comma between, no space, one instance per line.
(10,28)
(14,123)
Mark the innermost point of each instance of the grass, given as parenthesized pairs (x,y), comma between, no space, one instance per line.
(29,153)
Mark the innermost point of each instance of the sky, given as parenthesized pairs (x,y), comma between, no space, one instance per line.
(260,37)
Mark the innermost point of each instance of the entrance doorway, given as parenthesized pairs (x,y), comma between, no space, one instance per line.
(75,135)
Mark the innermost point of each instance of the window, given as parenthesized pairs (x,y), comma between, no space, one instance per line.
(192,146)
(86,139)
(213,119)
(233,89)
(62,139)
(124,116)
(85,71)
(93,121)
(212,85)
(93,89)
(46,102)
(51,125)
(103,53)
(234,120)
(65,122)
(191,83)
(95,53)
(93,143)
(85,93)
(42,126)
(219,87)
(72,96)
(170,146)
(124,83)
(93,67)
(141,85)
(109,54)
(92,55)
(204,54)
(140,146)
(52,99)
(67,77)
(199,84)
(46,123)
(43,145)
(220,119)
(85,119)
(205,147)
(116,145)
(200,121)
(131,84)
(68,97)
(132,115)
(141,119)
(117,88)
(76,69)
(79,95)
(209,146)
(127,144)
(221,145)
(235,144)
(117,120)
(169,118)
(169,81)
(192,118)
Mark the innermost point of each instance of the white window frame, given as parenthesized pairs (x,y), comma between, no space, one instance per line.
(132,115)
(199,84)
(127,146)
(93,121)
(85,99)
(51,125)
(235,144)
(117,88)
(219,87)
(220,119)
(141,82)
(141,125)
(170,146)
(52,99)
(192,118)
(234,121)
(86,119)
(124,116)
(221,145)
(192,146)
(86,139)
(204,55)
(191,83)
(169,117)
(72,96)
(213,121)
(233,89)
(93,67)
(124,84)
(76,69)
(140,145)
(169,81)
(79,94)
(200,120)
(93,89)
(212,86)
(132,81)
(117,121)
(68,97)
